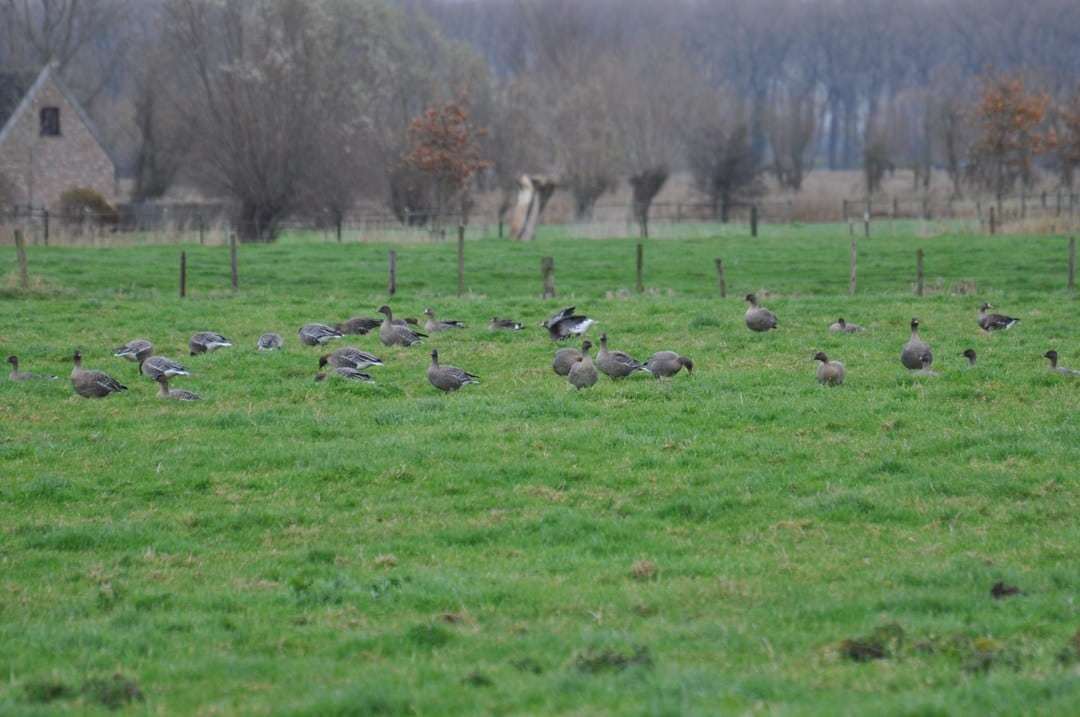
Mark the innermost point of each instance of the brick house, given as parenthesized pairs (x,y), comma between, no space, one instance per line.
(48,144)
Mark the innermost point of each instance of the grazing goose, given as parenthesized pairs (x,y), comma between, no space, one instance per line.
(350,357)
(665,364)
(582,372)
(969,354)
(843,327)
(392,333)
(1053,356)
(157,366)
(317,334)
(924,362)
(912,353)
(758,318)
(357,325)
(616,364)
(829,373)
(434,326)
(206,341)
(346,372)
(498,324)
(994,322)
(176,394)
(269,342)
(92,384)
(566,325)
(137,350)
(448,378)
(17,375)
(565,358)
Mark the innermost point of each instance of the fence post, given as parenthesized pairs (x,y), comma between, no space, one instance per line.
(500,228)
(854,260)
(232,261)
(1072,264)
(993,222)
(183,274)
(895,215)
(45,223)
(926,208)
(20,252)
(1057,208)
(640,285)
(753,220)
(844,210)
(1044,199)
(720,278)
(1023,205)
(461,260)
(202,231)
(391,287)
(337,226)
(547,271)
(790,211)
(866,219)
(919,272)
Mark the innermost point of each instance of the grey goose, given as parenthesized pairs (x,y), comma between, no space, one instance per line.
(565,358)
(843,327)
(350,357)
(924,366)
(176,394)
(758,318)
(912,353)
(829,373)
(269,342)
(582,372)
(665,364)
(1053,356)
(448,378)
(994,322)
(158,366)
(137,350)
(206,341)
(346,372)
(393,333)
(566,324)
(434,325)
(92,384)
(969,354)
(498,324)
(616,364)
(17,375)
(357,325)
(317,334)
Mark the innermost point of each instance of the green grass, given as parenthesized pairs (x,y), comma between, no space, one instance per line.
(299,548)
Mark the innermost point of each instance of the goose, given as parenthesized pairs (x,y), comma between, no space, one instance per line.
(137,350)
(157,366)
(433,325)
(346,372)
(567,325)
(843,327)
(448,378)
(665,364)
(758,318)
(175,394)
(994,322)
(565,358)
(269,342)
(92,384)
(616,364)
(582,372)
(350,357)
(1053,356)
(17,375)
(829,373)
(317,334)
(206,341)
(969,354)
(357,325)
(924,361)
(392,333)
(911,355)
(498,324)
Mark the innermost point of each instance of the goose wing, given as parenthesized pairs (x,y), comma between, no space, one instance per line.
(556,318)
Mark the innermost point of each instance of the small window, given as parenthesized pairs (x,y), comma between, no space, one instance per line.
(50,122)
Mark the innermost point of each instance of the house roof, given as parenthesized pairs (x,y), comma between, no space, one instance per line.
(14,86)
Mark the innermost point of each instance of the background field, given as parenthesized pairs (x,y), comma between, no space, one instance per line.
(704,545)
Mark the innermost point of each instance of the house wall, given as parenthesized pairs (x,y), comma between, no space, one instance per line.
(43,168)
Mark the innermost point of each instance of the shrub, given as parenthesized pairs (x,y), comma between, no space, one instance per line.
(80,205)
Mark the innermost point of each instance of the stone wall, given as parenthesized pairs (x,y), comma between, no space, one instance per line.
(43,168)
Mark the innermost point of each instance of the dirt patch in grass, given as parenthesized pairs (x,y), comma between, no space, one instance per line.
(593,662)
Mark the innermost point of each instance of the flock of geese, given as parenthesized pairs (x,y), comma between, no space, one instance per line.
(576,365)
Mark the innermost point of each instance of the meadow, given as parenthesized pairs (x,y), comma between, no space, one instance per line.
(742,540)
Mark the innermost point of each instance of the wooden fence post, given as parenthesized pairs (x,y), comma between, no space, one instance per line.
(844,210)
(993,223)
(547,271)
(640,283)
(854,262)
(753,220)
(461,260)
(20,252)
(1072,264)
(1023,205)
(45,225)
(232,261)
(919,272)
(720,278)
(1057,207)
(1044,199)
(391,287)
(926,208)
(866,219)
(202,231)
(183,274)
(500,228)
(895,215)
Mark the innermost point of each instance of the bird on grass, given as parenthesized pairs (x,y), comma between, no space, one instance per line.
(434,325)
(969,354)
(994,322)
(582,372)
(1053,356)
(393,333)
(206,341)
(616,364)
(358,325)
(566,324)
(176,394)
(565,358)
(758,318)
(17,375)
(448,378)
(345,372)
(93,384)
(269,342)
(924,362)
(350,357)
(317,334)
(829,373)
(665,364)
(498,324)
(137,350)
(843,327)
(157,366)
(912,353)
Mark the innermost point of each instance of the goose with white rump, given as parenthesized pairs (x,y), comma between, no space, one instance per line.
(994,322)
(158,366)
(498,324)
(758,318)
(317,334)
(912,353)
(207,341)
(829,373)
(448,378)
(137,350)
(93,384)
(1053,356)
(392,333)
(270,342)
(665,364)
(843,327)
(17,375)
(175,394)
(616,364)
(350,357)
(566,324)
(434,325)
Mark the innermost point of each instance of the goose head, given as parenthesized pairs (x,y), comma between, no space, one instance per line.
(820,356)
(914,324)
(752,299)
(985,307)
(969,354)
(429,313)
(14,361)
(585,346)
(384,310)
(603,340)
(841,322)
(323,360)
(77,358)
(687,363)
(926,360)
(435,357)
(1052,355)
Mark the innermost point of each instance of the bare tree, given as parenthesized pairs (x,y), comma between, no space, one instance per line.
(722,160)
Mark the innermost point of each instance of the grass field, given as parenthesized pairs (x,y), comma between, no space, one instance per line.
(739,541)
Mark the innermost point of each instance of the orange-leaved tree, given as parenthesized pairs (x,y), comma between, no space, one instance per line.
(443,147)
(1010,133)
